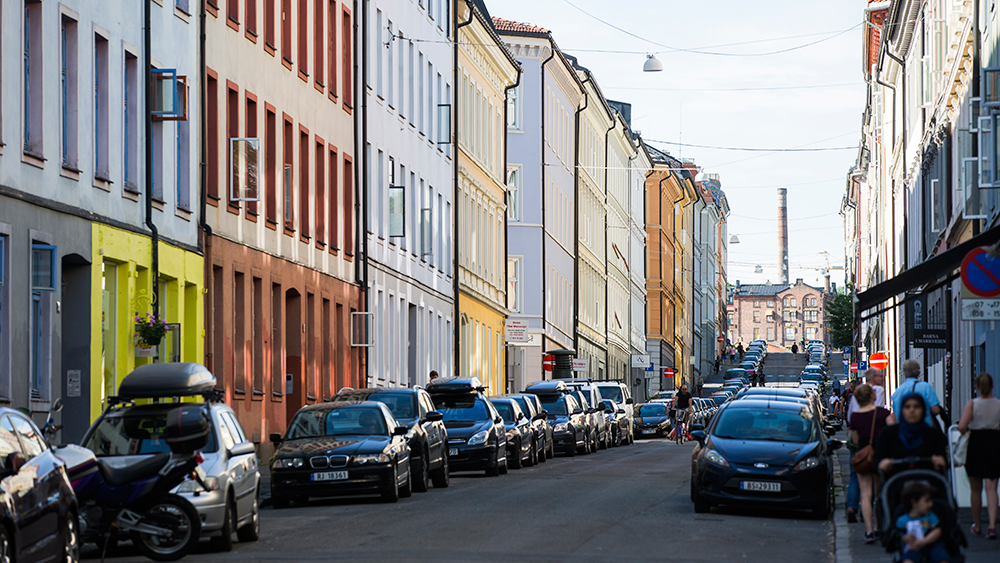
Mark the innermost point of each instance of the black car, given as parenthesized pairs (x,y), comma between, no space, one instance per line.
(793,392)
(345,448)
(618,424)
(569,425)
(477,438)
(594,418)
(532,408)
(652,420)
(764,453)
(522,448)
(37,503)
(427,438)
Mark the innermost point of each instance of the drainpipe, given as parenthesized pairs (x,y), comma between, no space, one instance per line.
(506,94)
(148,65)
(455,197)
(552,53)
(361,179)
(576,216)
(607,319)
(203,133)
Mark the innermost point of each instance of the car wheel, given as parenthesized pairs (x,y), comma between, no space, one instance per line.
(532,454)
(605,440)
(280,502)
(595,443)
(419,479)
(544,456)
(224,541)
(515,460)
(251,530)
(406,489)
(71,541)
(822,510)
(701,504)
(495,470)
(392,493)
(440,476)
(552,448)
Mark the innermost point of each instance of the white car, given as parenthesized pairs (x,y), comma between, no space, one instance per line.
(619,393)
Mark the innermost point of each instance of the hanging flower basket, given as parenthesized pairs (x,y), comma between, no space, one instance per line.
(150,329)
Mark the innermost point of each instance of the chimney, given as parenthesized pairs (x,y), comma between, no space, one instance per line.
(783,235)
(826,283)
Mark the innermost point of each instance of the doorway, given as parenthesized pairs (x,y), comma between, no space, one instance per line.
(294,396)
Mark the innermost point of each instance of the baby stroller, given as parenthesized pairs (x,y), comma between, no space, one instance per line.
(891,507)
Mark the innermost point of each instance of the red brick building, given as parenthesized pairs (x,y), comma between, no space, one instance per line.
(780,314)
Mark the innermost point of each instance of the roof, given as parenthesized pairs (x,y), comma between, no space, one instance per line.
(758,289)
(507,26)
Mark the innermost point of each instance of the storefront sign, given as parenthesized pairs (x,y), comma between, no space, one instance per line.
(925,333)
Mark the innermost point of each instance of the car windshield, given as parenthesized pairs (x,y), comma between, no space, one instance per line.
(523,403)
(337,422)
(468,408)
(613,393)
(766,424)
(506,411)
(609,405)
(554,405)
(584,403)
(718,399)
(135,433)
(401,405)
(650,409)
(811,375)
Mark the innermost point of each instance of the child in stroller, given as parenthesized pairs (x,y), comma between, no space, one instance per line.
(921,515)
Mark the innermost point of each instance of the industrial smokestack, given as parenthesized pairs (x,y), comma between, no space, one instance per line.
(826,282)
(783,235)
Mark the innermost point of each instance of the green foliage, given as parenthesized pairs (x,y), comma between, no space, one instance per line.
(840,315)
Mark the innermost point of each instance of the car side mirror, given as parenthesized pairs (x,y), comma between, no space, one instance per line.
(57,405)
(696,427)
(609,411)
(629,401)
(498,420)
(539,416)
(545,413)
(275,437)
(434,416)
(621,411)
(400,431)
(243,448)
(520,415)
(14,462)
(830,431)
(577,411)
(698,435)
(834,444)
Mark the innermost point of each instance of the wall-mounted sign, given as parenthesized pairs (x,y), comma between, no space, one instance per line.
(925,332)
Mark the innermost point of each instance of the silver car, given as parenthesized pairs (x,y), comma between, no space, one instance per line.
(233,503)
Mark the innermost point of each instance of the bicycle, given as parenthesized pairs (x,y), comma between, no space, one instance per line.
(679,430)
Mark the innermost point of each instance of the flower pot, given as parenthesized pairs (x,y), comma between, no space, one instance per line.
(154,342)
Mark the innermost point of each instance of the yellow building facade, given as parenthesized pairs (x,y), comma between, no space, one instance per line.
(121,282)
(485,71)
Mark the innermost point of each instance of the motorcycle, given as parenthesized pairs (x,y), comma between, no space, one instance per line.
(134,501)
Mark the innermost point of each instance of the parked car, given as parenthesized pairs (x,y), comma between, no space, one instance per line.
(667,395)
(719,398)
(587,393)
(735,373)
(540,424)
(477,438)
(522,449)
(37,503)
(652,420)
(763,453)
(427,438)
(344,448)
(620,423)
(127,433)
(569,426)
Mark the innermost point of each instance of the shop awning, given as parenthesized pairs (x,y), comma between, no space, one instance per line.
(935,269)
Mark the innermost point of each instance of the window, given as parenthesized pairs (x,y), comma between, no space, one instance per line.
(233,10)
(770,333)
(32,54)
(320,149)
(345,37)
(250,131)
(68,91)
(331,48)
(305,193)
(183,165)
(756,303)
(286,31)
(28,435)
(789,333)
(269,24)
(156,141)
(232,126)
(756,333)
(810,332)
(348,209)
(756,316)
(270,164)
(239,336)
(318,45)
(514,108)
(938,205)
(251,23)
(377,49)
(769,317)
(390,68)
(303,38)
(513,284)
(289,196)
(43,267)
(514,194)
(212,142)
(770,303)
(102,167)
(334,239)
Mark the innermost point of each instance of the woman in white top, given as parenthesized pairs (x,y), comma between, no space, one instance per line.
(981,418)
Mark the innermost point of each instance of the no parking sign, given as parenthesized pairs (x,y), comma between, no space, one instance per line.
(980,286)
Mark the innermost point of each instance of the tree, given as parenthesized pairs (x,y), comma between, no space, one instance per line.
(840,317)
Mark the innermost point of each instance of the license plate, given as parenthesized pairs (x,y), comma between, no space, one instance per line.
(329,476)
(650,431)
(761,486)
(452,452)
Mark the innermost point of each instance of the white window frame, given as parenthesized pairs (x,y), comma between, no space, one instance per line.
(970,186)
(514,275)
(514,200)
(514,111)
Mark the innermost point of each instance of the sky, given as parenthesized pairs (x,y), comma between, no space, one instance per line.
(811,96)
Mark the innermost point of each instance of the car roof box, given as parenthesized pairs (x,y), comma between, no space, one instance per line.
(455,385)
(551,386)
(173,379)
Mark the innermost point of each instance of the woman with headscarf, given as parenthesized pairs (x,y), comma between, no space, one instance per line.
(911,437)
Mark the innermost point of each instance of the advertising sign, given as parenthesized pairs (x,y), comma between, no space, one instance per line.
(581,364)
(925,333)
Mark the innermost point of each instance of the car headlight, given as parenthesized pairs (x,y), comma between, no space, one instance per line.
(192,486)
(561,427)
(289,463)
(807,463)
(370,458)
(479,438)
(716,458)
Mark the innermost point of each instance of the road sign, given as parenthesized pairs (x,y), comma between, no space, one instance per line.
(854,367)
(640,360)
(668,372)
(650,367)
(862,366)
(516,331)
(721,339)
(581,364)
(980,274)
(847,351)
(548,362)
(879,360)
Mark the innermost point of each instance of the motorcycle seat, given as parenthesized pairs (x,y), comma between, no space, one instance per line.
(118,476)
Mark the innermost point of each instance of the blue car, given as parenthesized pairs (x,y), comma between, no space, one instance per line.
(652,420)
(477,438)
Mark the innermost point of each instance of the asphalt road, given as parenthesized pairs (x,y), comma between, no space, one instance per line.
(629,503)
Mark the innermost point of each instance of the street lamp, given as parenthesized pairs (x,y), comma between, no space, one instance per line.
(734,239)
(652,64)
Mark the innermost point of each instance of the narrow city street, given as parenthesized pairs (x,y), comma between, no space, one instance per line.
(629,503)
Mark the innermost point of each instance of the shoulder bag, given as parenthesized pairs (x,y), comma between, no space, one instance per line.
(863,460)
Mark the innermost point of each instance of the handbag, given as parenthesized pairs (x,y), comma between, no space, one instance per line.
(863,460)
(961,450)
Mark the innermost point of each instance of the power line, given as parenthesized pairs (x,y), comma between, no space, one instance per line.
(754,149)
(701,52)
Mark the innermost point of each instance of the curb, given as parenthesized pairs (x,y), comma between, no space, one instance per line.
(841,529)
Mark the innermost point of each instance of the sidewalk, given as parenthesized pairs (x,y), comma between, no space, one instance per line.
(980,550)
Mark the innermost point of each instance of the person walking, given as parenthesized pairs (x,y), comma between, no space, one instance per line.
(701,380)
(912,384)
(795,350)
(873,378)
(981,418)
(739,350)
(866,422)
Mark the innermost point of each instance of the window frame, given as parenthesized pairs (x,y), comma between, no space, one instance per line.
(54,259)
(514,204)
